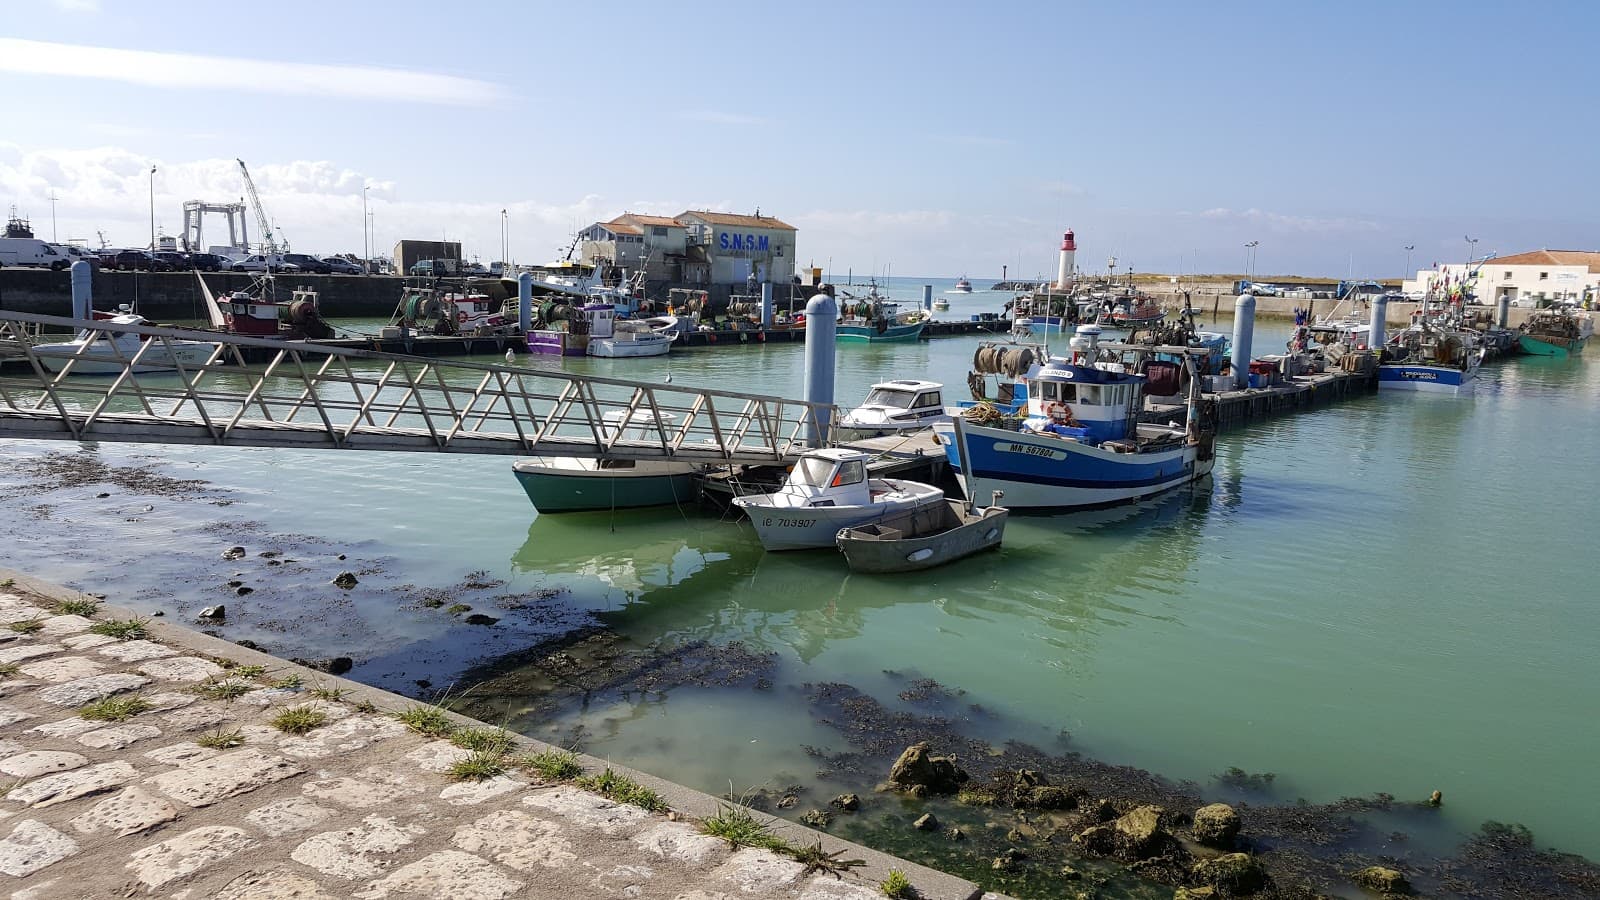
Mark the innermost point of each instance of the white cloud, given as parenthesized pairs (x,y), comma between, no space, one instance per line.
(189,71)
(715,117)
(1287,223)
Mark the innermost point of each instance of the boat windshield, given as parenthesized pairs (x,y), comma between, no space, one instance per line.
(889,397)
(812,471)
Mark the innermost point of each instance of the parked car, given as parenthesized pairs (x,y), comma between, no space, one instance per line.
(474,269)
(75,253)
(256,262)
(134,260)
(177,261)
(210,262)
(338,265)
(307,263)
(421,267)
(32,252)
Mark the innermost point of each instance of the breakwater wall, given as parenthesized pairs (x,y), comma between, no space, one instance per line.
(176,295)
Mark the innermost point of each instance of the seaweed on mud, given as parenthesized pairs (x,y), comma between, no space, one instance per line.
(1502,861)
(57,471)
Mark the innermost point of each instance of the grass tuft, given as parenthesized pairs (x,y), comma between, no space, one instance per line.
(27,626)
(429,721)
(9,582)
(483,740)
(8,669)
(79,606)
(736,824)
(288,683)
(123,629)
(458,608)
(299,719)
(220,740)
(898,886)
(227,689)
(114,709)
(330,694)
(552,765)
(480,766)
(249,671)
(622,789)
(816,859)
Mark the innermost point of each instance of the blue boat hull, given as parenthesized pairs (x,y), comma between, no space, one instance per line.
(1430,379)
(1039,472)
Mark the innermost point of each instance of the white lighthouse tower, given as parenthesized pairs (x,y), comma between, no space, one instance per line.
(1069,253)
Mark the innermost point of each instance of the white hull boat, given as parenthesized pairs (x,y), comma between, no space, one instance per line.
(631,343)
(892,408)
(107,352)
(829,490)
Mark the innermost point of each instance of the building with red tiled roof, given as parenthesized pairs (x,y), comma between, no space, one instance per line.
(695,247)
(1526,279)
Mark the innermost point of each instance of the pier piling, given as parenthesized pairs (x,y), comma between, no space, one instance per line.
(1244,328)
(82,289)
(927,298)
(766,306)
(1502,311)
(525,302)
(1375,334)
(822,326)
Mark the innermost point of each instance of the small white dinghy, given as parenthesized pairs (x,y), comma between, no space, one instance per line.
(828,490)
(922,538)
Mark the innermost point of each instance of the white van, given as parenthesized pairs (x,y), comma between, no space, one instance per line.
(32,252)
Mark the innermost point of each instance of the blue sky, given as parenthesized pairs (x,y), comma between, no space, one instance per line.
(939,138)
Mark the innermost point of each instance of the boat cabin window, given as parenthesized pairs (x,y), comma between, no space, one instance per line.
(1047,391)
(889,397)
(813,471)
(852,472)
(1090,394)
(926,400)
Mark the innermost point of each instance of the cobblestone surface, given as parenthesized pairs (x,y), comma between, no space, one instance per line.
(192,796)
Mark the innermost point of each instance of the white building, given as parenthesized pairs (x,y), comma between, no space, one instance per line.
(728,248)
(1526,278)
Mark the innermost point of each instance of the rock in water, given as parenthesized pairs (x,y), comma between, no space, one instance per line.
(215,613)
(1216,825)
(1139,832)
(346,580)
(926,822)
(340,665)
(1383,880)
(847,802)
(917,768)
(1231,873)
(233,553)
(816,818)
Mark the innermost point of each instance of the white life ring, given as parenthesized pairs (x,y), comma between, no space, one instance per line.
(1058,412)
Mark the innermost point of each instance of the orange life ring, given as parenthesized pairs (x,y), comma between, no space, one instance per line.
(1058,412)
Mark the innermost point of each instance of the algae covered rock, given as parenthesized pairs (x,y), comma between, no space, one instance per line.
(1216,825)
(1231,873)
(926,822)
(345,580)
(1099,839)
(847,802)
(917,768)
(1139,833)
(1382,879)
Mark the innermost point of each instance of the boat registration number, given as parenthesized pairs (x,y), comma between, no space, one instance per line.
(766,521)
(1031,450)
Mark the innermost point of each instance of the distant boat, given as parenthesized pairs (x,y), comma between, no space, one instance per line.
(963,286)
(1555,332)
(942,305)
(874,319)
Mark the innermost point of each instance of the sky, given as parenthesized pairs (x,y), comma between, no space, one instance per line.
(925,138)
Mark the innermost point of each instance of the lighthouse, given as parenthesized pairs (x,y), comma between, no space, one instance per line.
(1069,252)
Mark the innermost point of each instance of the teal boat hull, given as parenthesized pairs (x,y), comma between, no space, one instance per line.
(1539,347)
(871,335)
(568,492)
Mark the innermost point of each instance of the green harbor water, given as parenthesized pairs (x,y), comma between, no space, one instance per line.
(1393,594)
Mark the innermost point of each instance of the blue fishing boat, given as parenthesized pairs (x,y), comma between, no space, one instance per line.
(1077,441)
(1436,355)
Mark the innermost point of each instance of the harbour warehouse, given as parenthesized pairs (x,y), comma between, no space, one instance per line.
(695,247)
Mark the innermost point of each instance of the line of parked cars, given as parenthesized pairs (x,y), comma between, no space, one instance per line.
(171,261)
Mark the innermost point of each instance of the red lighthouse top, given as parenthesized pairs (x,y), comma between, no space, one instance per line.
(1067,243)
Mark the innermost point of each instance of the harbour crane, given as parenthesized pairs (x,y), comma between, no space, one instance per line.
(269,247)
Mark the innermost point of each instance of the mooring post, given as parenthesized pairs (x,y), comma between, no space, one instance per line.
(1502,312)
(1244,327)
(766,306)
(822,327)
(927,298)
(82,290)
(525,302)
(1380,319)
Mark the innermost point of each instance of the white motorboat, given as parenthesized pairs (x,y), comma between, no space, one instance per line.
(630,338)
(942,305)
(95,352)
(674,326)
(566,484)
(894,407)
(828,490)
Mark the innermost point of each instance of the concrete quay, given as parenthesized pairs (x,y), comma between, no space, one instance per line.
(199,792)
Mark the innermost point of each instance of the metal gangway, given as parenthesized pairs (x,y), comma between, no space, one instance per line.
(157,386)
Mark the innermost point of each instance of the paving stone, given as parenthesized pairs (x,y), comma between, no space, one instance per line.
(165,701)
(62,668)
(19,612)
(10,715)
(447,873)
(359,852)
(57,626)
(345,736)
(187,853)
(471,793)
(26,651)
(438,756)
(66,727)
(760,872)
(369,787)
(59,788)
(181,754)
(181,668)
(587,809)
(272,886)
(824,887)
(87,641)
(680,841)
(117,736)
(135,651)
(41,762)
(10,748)
(129,811)
(77,693)
(31,846)
(200,717)
(272,696)
(624,880)
(517,840)
(12,686)
(220,777)
(288,816)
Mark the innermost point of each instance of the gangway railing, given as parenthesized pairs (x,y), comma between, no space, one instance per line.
(180,386)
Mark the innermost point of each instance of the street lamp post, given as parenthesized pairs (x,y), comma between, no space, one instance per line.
(504,241)
(366,245)
(53,199)
(152,210)
(372,228)
(1407,273)
(1250,260)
